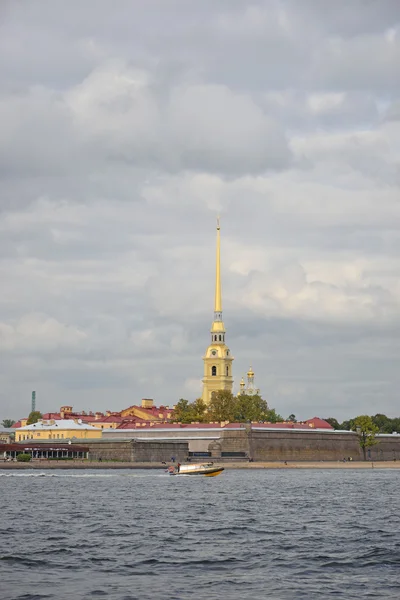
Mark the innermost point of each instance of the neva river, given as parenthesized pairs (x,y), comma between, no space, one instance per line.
(248,534)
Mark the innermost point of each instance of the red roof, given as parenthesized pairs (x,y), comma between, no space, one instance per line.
(110,419)
(319,423)
(315,423)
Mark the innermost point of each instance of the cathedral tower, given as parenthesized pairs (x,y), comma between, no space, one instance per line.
(217,359)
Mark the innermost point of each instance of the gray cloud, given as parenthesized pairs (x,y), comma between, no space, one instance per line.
(125,132)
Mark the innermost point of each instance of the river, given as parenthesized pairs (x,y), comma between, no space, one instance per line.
(247,534)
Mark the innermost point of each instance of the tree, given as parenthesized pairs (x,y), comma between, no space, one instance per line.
(182,411)
(250,408)
(383,422)
(292,418)
(7,423)
(199,410)
(222,406)
(273,417)
(366,430)
(347,425)
(333,422)
(185,412)
(34,417)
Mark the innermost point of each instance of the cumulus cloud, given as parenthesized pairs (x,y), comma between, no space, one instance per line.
(124,135)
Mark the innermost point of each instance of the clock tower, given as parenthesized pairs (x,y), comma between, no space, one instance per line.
(218,358)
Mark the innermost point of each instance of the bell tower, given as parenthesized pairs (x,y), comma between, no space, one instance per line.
(218,358)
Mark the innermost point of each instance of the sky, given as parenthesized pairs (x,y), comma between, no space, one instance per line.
(126,128)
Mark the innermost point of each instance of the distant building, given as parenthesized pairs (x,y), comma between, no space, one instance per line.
(6,435)
(145,413)
(249,389)
(64,429)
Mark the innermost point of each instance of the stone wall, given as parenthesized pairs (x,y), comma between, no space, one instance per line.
(280,445)
(160,451)
(138,451)
(117,450)
(303,446)
(260,445)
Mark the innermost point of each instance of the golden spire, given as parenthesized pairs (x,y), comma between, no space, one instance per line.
(218,325)
(218,297)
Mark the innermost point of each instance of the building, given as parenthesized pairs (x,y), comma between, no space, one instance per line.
(249,389)
(45,451)
(145,413)
(64,429)
(6,435)
(218,358)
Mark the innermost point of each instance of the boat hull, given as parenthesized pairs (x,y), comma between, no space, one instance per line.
(204,469)
(210,473)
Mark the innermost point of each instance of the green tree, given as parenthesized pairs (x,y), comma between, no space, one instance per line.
(199,410)
(334,422)
(347,425)
(8,423)
(222,406)
(186,412)
(292,418)
(250,408)
(34,417)
(182,412)
(383,422)
(273,417)
(366,430)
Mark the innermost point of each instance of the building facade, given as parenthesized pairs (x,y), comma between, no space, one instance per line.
(249,389)
(65,429)
(217,359)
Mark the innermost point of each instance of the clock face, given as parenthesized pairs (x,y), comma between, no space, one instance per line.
(213,352)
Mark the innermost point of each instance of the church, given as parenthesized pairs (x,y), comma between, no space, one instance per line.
(218,358)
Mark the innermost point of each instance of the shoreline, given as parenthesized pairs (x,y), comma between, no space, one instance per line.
(68,465)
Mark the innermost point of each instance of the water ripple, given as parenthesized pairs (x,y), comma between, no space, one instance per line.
(281,535)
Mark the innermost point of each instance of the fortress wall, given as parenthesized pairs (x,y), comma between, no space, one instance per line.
(307,446)
(138,451)
(278,445)
(159,451)
(118,450)
(387,448)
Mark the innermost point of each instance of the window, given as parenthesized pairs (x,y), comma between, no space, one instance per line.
(227,352)
(214,371)
(227,371)
(220,338)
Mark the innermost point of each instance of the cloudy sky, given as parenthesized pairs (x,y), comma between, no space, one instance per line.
(126,127)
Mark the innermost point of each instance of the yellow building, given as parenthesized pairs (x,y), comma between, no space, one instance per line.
(64,429)
(218,358)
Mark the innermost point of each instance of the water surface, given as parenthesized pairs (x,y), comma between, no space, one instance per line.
(248,534)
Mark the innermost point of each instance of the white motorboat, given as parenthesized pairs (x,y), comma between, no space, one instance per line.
(206,469)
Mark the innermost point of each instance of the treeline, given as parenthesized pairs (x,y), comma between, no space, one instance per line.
(224,406)
(382,422)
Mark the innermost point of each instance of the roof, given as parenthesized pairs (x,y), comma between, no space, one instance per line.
(69,424)
(315,424)
(318,423)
